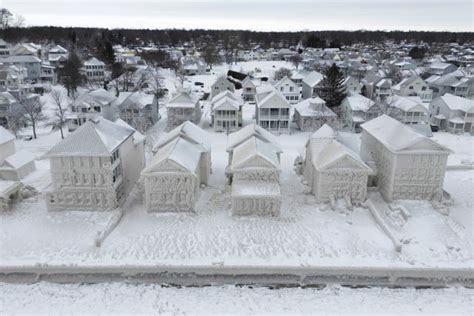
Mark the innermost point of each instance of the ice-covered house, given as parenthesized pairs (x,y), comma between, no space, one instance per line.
(452,113)
(139,109)
(255,169)
(95,167)
(31,63)
(94,70)
(226,114)
(272,111)
(220,85)
(182,108)
(408,110)
(96,103)
(249,90)
(352,85)
(332,170)
(311,114)
(310,85)
(245,133)
(8,103)
(14,165)
(413,86)
(453,83)
(382,89)
(439,68)
(181,164)
(357,110)
(408,165)
(289,89)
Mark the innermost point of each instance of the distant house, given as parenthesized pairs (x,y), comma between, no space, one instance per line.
(408,110)
(177,170)
(138,109)
(226,113)
(298,77)
(310,85)
(409,166)
(90,105)
(450,83)
(452,113)
(272,111)
(5,49)
(311,114)
(57,56)
(221,85)
(332,170)
(182,108)
(48,74)
(357,110)
(27,49)
(382,89)
(31,63)
(440,69)
(94,70)
(255,169)
(8,103)
(289,89)
(14,165)
(352,85)
(249,90)
(413,86)
(95,168)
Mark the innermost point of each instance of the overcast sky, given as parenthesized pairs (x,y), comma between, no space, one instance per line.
(276,15)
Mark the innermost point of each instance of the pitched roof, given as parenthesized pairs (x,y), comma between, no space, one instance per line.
(226,103)
(274,98)
(182,100)
(94,61)
(359,102)
(313,78)
(251,130)
(397,136)
(314,107)
(407,104)
(99,137)
(5,135)
(458,103)
(254,147)
(187,130)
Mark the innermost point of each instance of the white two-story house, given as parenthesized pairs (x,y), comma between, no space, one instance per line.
(413,86)
(452,113)
(272,111)
(289,89)
(94,70)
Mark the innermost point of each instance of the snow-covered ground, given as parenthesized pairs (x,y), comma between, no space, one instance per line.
(124,298)
(305,235)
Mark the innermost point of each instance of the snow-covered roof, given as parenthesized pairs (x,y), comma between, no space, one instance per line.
(458,103)
(5,136)
(182,100)
(406,82)
(252,130)
(359,102)
(137,136)
(187,130)
(407,104)
(180,151)
(384,83)
(397,136)
(7,98)
(439,65)
(21,59)
(226,104)
(286,81)
(314,107)
(313,78)
(17,160)
(224,94)
(274,99)
(94,62)
(98,137)
(139,99)
(324,131)
(252,148)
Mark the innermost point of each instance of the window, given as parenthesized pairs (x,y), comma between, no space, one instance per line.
(423,88)
(97,109)
(116,173)
(115,156)
(411,87)
(291,89)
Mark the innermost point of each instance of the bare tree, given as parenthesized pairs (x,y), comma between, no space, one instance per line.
(210,55)
(5,18)
(282,73)
(15,122)
(61,103)
(31,112)
(296,60)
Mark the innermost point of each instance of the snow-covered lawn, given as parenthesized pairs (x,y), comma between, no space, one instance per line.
(124,298)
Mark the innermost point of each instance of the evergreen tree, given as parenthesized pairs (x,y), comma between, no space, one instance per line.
(107,53)
(363,91)
(210,55)
(70,73)
(417,53)
(332,89)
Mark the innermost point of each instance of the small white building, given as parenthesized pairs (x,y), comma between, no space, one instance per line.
(310,85)
(413,86)
(138,109)
(14,165)
(452,113)
(272,111)
(94,70)
(95,168)
(220,85)
(289,89)
(357,110)
(181,164)
(332,170)
(92,104)
(249,90)
(255,169)
(311,114)
(352,85)
(182,108)
(226,113)
(408,165)
(408,110)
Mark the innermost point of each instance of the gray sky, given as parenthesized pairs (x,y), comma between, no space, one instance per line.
(276,15)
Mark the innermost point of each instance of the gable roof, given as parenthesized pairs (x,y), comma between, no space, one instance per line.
(255,148)
(94,61)
(454,102)
(182,100)
(314,107)
(407,104)
(226,103)
(252,130)
(99,137)
(286,81)
(313,78)
(274,98)
(224,94)
(359,103)
(187,130)
(397,137)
